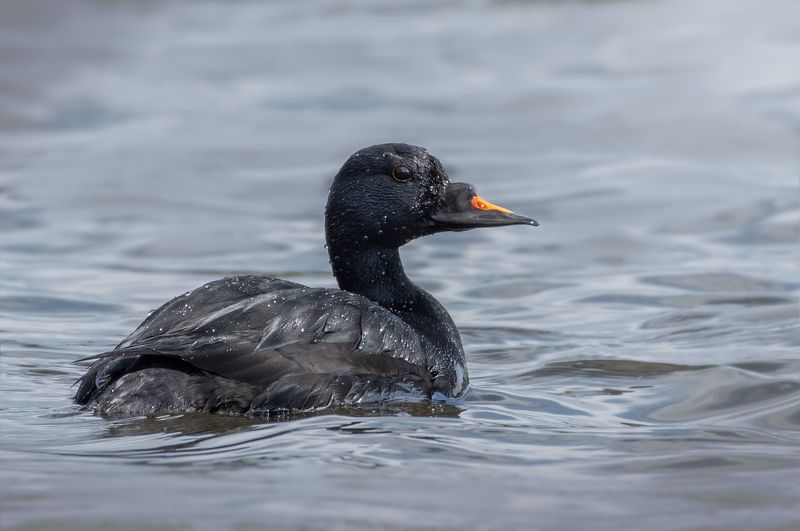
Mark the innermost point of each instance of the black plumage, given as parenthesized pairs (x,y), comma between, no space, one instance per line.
(255,345)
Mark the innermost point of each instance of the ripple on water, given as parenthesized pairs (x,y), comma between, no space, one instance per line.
(511,289)
(43,305)
(724,282)
(730,395)
(687,301)
(609,369)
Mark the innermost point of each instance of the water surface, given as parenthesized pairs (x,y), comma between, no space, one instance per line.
(634,360)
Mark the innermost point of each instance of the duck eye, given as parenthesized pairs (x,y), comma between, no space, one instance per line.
(401,174)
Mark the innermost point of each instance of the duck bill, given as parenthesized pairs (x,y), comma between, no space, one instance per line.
(464,209)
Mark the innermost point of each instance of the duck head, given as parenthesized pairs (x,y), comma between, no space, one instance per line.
(389,194)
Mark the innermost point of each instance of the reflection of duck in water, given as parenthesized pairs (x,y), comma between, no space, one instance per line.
(258,345)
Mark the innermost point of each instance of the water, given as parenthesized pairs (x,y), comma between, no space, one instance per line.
(634,360)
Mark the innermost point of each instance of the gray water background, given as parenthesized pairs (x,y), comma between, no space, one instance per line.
(634,360)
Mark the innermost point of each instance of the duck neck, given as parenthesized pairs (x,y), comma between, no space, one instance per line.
(376,272)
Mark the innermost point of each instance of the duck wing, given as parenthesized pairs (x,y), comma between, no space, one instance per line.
(258,330)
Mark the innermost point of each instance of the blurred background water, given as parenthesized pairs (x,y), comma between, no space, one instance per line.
(634,360)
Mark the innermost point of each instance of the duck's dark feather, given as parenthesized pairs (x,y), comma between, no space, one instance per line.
(254,344)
